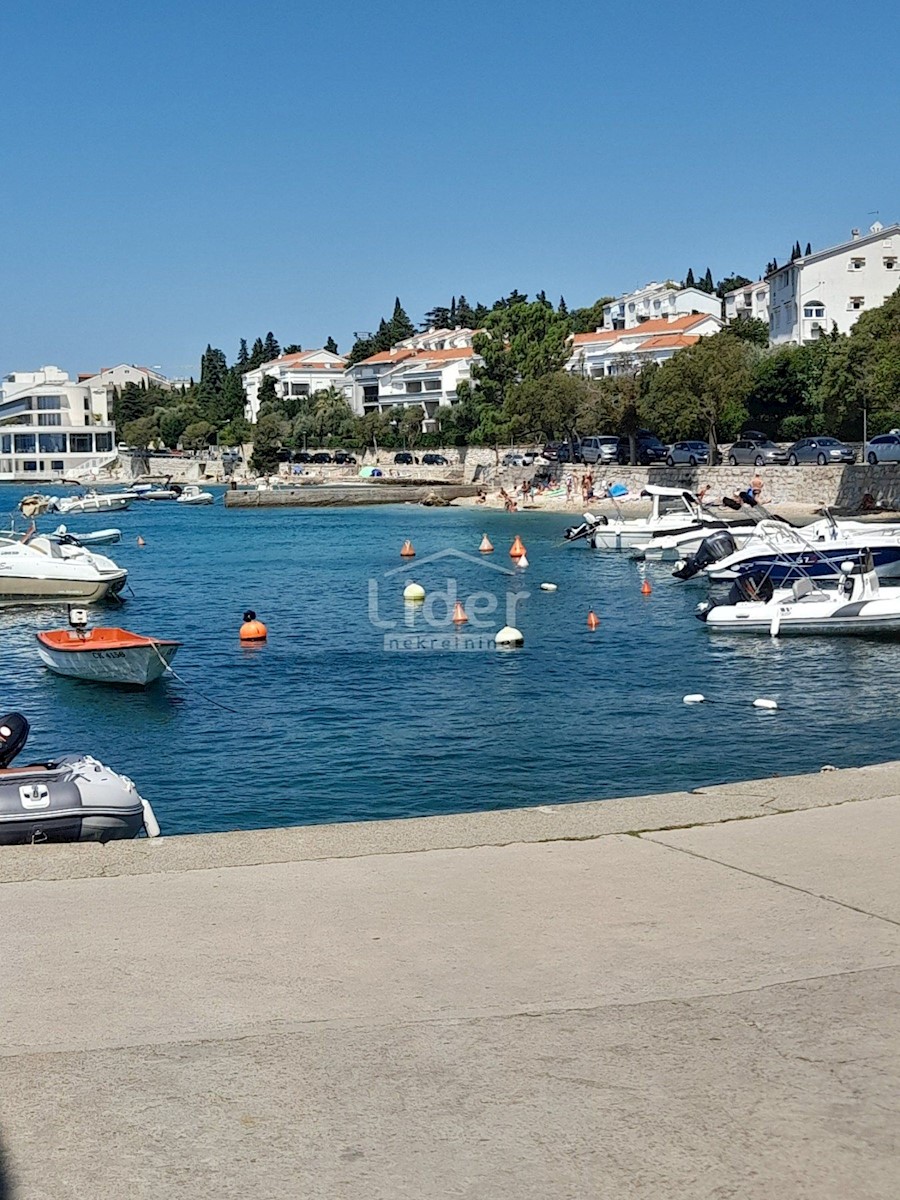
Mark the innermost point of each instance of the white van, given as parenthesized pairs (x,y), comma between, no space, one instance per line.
(600,449)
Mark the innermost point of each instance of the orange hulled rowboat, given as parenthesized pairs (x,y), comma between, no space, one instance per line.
(106,655)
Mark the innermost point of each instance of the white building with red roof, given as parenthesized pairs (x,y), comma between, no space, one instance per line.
(610,351)
(422,371)
(658,302)
(297,375)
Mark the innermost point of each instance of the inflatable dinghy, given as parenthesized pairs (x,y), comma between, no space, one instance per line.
(70,799)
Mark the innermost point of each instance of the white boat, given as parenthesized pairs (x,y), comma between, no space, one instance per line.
(675,547)
(93,502)
(193,495)
(672,511)
(99,537)
(45,572)
(785,553)
(150,491)
(856,603)
(105,655)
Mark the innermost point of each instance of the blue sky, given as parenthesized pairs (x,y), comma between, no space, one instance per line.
(183,173)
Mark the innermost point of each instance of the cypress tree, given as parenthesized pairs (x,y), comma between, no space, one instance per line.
(401,326)
(331,345)
(563,309)
(452,321)
(689,278)
(213,369)
(707,284)
(808,250)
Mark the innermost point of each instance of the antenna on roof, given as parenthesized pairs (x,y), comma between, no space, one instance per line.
(363,335)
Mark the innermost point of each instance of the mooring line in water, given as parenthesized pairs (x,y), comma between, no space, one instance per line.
(171,670)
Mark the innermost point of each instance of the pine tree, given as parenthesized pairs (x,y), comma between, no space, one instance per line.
(465,315)
(257,355)
(436,318)
(382,339)
(331,345)
(689,278)
(271,348)
(563,308)
(401,326)
(243,357)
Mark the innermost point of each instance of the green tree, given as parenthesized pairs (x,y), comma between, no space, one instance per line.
(550,406)
(862,376)
(267,397)
(466,317)
(331,345)
(132,404)
(271,349)
(267,439)
(140,432)
(436,318)
(363,347)
(233,399)
(198,435)
(257,355)
(401,326)
(730,284)
(292,348)
(586,320)
(749,329)
(689,278)
(702,391)
(213,370)
(236,432)
(173,422)
(243,357)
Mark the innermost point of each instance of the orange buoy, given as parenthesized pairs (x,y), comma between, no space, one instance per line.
(646,589)
(141,541)
(486,546)
(459,614)
(252,630)
(517,549)
(408,551)
(593,621)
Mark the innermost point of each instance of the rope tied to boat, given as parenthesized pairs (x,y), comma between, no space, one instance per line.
(171,671)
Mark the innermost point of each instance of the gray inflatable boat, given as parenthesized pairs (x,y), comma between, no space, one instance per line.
(70,799)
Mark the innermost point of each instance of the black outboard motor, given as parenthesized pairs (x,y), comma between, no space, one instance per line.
(14,730)
(712,549)
(575,532)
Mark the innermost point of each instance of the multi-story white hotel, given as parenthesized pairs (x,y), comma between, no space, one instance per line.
(810,295)
(51,426)
(297,375)
(750,302)
(422,371)
(656,302)
(611,351)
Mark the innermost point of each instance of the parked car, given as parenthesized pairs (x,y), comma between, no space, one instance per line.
(434,460)
(343,458)
(599,448)
(300,456)
(648,449)
(321,456)
(405,458)
(569,452)
(821,450)
(884,448)
(758,451)
(693,453)
(283,456)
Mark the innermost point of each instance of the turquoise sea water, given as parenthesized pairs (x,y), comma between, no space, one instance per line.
(329,725)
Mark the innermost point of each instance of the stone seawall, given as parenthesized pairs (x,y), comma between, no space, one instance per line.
(336,496)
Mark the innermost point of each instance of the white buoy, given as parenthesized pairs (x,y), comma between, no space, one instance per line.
(694,698)
(414,592)
(763,703)
(548,587)
(523,561)
(508,636)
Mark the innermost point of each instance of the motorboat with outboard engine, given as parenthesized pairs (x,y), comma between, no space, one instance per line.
(70,799)
(91,502)
(152,491)
(191,494)
(785,553)
(41,571)
(855,603)
(672,511)
(100,537)
(105,655)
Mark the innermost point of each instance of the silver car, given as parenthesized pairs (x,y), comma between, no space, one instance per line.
(821,450)
(692,453)
(885,448)
(760,452)
(599,449)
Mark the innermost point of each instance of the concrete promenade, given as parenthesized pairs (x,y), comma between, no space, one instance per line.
(682,996)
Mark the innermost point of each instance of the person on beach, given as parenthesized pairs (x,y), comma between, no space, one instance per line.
(570,485)
(756,486)
(587,487)
(526,491)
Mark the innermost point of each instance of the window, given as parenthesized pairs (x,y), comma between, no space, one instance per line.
(50,418)
(104,442)
(299,389)
(80,443)
(57,464)
(432,385)
(49,402)
(52,443)
(857,264)
(814,310)
(29,465)
(6,444)
(25,444)
(414,386)
(87,404)
(857,302)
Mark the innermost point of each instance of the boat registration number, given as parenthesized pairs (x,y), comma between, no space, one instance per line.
(107,653)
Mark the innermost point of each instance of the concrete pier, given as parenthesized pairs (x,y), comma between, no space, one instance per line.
(337,495)
(679,996)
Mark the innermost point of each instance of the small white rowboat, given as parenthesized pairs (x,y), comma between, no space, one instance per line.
(106,655)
